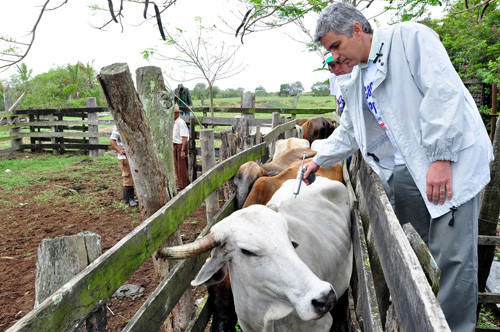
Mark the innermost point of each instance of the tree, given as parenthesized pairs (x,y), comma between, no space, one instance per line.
(199,90)
(296,88)
(284,90)
(320,89)
(13,50)
(53,89)
(260,91)
(199,58)
(471,38)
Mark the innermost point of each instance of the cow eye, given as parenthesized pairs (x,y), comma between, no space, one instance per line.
(247,252)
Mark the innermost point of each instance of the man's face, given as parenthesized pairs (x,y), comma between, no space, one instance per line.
(348,52)
(339,68)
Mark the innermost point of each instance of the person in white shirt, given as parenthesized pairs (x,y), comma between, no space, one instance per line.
(417,126)
(180,140)
(128,183)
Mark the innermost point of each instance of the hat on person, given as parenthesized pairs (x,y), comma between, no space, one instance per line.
(176,108)
(328,60)
(180,86)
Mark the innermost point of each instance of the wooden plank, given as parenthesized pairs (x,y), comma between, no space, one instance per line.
(157,307)
(66,307)
(8,127)
(64,134)
(416,305)
(427,262)
(311,111)
(7,138)
(486,329)
(273,134)
(488,240)
(7,114)
(49,123)
(371,314)
(8,150)
(201,317)
(74,111)
(488,298)
(79,146)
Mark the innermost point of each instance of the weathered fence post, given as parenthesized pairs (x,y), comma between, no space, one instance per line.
(226,150)
(208,161)
(14,120)
(295,101)
(93,127)
(192,164)
(158,105)
(59,260)
(243,138)
(275,123)
(248,101)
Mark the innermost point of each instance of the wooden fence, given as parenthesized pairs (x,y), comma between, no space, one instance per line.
(414,304)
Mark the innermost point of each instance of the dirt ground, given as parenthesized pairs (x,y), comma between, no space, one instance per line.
(19,245)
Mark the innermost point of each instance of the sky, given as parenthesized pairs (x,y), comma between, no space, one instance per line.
(67,35)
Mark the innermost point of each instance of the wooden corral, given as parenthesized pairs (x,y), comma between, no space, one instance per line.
(384,259)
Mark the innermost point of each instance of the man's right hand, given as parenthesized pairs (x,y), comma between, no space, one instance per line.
(311,167)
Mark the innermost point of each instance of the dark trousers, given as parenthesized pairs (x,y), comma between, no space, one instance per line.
(181,167)
(453,246)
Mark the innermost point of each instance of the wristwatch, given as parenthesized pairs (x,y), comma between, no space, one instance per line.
(183,150)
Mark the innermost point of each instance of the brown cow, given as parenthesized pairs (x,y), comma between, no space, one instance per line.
(265,187)
(317,128)
(249,172)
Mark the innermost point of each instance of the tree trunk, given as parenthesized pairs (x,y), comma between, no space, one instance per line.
(147,169)
(159,107)
(210,91)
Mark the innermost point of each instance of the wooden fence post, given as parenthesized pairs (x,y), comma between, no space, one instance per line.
(193,165)
(93,127)
(208,161)
(275,123)
(59,260)
(159,108)
(248,101)
(243,138)
(14,120)
(227,149)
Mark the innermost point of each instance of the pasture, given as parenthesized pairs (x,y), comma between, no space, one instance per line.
(45,196)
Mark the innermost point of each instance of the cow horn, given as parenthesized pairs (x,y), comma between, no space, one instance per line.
(188,250)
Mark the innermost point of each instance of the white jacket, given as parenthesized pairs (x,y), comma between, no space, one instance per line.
(427,110)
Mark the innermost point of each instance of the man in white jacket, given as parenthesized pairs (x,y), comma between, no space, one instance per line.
(418,127)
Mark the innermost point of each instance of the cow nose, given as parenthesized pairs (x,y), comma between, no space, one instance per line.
(325,303)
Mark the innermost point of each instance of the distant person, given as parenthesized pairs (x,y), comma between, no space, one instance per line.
(128,183)
(180,140)
(418,127)
(336,69)
(183,100)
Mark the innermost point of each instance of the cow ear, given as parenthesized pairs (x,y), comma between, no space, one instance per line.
(214,270)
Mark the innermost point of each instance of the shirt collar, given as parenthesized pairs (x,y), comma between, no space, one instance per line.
(373,50)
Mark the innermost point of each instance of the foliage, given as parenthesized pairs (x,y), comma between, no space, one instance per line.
(320,89)
(472,44)
(284,90)
(486,318)
(260,91)
(296,88)
(67,86)
(200,89)
(197,57)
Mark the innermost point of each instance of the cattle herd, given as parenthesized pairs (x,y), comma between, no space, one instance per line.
(280,262)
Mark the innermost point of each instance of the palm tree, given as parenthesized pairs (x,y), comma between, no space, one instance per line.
(73,77)
(23,73)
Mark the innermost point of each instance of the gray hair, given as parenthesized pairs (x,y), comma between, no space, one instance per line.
(339,17)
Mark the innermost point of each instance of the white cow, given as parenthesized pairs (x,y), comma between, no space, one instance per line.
(317,144)
(284,145)
(276,287)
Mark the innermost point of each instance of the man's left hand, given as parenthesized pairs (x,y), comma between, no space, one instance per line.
(439,182)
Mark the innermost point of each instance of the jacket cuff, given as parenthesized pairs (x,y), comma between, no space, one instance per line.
(446,155)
